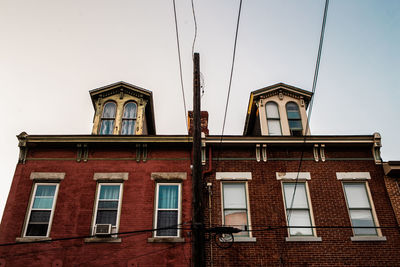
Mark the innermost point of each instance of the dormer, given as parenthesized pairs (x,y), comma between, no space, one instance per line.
(123,109)
(276,110)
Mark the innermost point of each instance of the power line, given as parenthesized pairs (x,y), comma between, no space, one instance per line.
(91,236)
(230,80)
(233,64)
(195,28)
(180,65)
(321,40)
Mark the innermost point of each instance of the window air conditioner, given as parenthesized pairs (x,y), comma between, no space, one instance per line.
(102,229)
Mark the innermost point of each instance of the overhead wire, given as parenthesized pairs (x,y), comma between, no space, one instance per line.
(314,85)
(91,236)
(195,27)
(230,80)
(180,65)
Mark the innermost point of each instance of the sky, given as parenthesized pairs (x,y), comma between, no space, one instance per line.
(53,52)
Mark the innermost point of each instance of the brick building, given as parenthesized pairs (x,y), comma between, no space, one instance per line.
(122,178)
(392,180)
(298,199)
(277,177)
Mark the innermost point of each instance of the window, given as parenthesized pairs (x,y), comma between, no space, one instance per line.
(235,210)
(168,211)
(108,118)
(360,210)
(294,119)
(41,209)
(297,208)
(108,205)
(273,119)
(129,119)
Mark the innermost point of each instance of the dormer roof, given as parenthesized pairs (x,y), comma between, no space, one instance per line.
(269,91)
(121,88)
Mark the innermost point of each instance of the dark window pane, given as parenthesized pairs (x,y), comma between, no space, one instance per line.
(37,230)
(167,218)
(295,125)
(108,205)
(293,115)
(106,217)
(45,190)
(39,216)
(292,111)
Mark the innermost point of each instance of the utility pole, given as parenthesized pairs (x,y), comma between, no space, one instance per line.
(197,185)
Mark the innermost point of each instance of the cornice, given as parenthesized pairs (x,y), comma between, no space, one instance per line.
(107,139)
(313,139)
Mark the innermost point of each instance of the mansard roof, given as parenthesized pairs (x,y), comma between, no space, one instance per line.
(266,92)
(130,89)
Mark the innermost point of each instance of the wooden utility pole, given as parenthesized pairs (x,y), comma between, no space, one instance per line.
(197,188)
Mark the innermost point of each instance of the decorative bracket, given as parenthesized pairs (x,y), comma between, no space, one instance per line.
(141,152)
(376,149)
(264,152)
(315,150)
(322,152)
(23,149)
(137,152)
(82,153)
(258,156)
(144,150)
(85,152)
(79,153)
(319,152)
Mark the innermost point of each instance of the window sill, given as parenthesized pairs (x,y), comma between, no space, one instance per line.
(165,240)
(32,239)
(102,240)
(303,239)
(368,238)
(243,239)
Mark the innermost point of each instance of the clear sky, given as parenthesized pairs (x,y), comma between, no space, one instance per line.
(53,52)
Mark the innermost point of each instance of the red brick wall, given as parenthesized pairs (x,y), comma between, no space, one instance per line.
(74,209)
(393,189)
(329,208)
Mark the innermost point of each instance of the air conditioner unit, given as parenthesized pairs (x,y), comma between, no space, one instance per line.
(102,229)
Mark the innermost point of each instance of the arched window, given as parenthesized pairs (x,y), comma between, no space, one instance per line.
(108,118)
(129,119)
(273,119)
(294,119)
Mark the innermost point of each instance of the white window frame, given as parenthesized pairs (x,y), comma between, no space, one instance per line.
(32,199)
(270,119)
(129,119)
(102,118)
(371,204)
(114,229)
(178,233)
(249,232)
(310,210)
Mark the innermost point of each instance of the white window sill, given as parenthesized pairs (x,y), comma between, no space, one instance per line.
(165,240)
(303,239)
(368,238)
(238,239)
(32,239)
(103,240)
